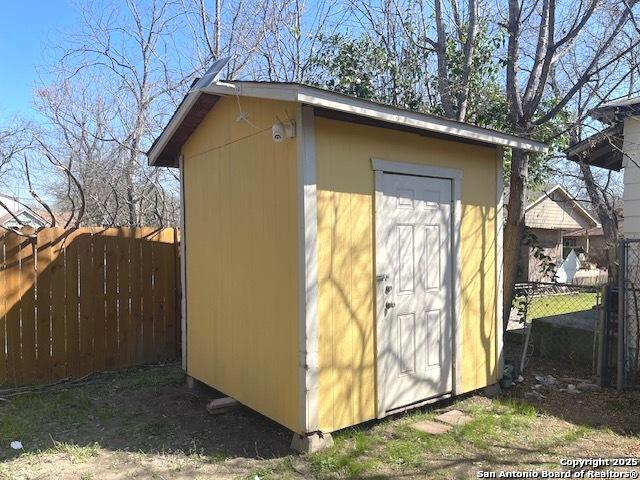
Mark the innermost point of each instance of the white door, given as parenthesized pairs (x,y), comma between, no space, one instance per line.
(414,271)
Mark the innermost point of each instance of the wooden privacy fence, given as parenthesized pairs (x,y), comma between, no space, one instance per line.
(73,302)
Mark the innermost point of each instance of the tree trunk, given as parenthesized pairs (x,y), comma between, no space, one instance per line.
(514,228)
(607,219)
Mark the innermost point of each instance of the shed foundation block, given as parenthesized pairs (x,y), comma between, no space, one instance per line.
(492,391)
(311,442)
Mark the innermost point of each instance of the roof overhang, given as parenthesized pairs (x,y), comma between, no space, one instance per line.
(195,106)
(616,110)
(604,149)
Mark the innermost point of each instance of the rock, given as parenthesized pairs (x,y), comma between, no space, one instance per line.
(588,387)
(571,388)
(534,395)
(547,380)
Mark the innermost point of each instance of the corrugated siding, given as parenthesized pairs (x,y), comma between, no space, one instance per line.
(241,240)
(346,312)
(556,214)
(632,178)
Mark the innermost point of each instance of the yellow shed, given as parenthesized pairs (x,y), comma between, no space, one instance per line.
(342,258)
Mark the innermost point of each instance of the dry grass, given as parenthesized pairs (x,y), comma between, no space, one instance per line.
(146,424)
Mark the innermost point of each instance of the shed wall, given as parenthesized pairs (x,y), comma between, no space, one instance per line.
(241,229)
(346,247)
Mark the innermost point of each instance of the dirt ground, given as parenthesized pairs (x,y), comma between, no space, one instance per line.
(133,423)
(605,409)
(146,423)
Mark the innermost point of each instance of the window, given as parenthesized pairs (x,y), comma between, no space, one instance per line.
(569,244)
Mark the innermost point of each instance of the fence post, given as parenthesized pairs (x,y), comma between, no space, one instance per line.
(602,332)
(621,314)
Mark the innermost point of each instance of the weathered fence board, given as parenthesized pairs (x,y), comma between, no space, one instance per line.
(74,302)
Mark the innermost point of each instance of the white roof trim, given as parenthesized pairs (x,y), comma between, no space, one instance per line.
(171,127)
(574,203)
(344,103)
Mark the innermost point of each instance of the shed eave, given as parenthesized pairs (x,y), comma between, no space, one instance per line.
(318,97)
(417,120)
(172,126)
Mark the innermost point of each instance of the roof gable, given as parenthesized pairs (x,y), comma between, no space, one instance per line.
(25,217)
(556,209)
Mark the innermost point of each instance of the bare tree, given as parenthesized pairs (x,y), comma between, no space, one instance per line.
(579,42)
(118,61)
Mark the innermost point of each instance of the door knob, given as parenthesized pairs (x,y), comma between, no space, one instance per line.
(389,305)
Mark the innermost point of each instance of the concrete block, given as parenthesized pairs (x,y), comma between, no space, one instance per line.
(218,406)
(492,391)
(433,428)
(454,417)
(311,443)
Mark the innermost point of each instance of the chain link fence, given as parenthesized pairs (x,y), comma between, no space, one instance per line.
(559,322)
(629,302)
(579,325)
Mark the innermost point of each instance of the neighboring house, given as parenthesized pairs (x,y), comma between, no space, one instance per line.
(343,258)
(617,147)
(18,216)
(559,224)
(590,241)
(614,148)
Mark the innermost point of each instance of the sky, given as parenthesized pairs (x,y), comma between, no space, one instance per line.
(26,28)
